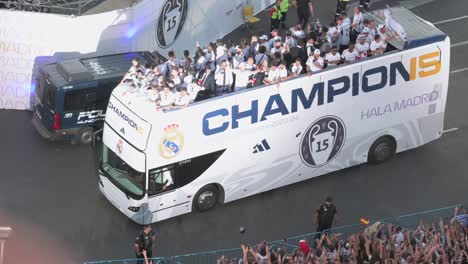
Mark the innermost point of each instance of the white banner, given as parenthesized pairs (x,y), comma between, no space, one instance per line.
(150,25)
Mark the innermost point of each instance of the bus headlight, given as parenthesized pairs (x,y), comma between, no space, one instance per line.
(134,208)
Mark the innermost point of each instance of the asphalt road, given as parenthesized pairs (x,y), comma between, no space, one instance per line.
(49,194)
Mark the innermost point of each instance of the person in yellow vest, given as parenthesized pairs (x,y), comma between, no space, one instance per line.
(341,6)
(284,12)
(275,15)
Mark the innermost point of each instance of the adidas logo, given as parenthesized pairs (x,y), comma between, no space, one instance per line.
(263,146)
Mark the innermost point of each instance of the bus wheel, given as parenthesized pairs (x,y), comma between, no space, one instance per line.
(206,198)
(382,150)
(86,136)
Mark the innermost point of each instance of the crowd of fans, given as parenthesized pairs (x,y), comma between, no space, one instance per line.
(442,242)
(221,68)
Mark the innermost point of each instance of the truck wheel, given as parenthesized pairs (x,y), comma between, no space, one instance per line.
(206,198)
(86,136)
(382,150)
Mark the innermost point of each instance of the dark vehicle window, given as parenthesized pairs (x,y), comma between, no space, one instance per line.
(161,180)
(180,174)
(45,91)
(191,169)
(86,99)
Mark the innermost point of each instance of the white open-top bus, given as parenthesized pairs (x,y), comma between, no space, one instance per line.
(156,165)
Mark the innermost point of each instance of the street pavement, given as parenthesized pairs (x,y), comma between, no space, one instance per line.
(49,193)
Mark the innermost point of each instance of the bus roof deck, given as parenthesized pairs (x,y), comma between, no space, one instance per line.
(418,32)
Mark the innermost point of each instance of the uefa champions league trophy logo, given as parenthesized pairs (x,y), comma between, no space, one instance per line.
(322,141)
(171,22)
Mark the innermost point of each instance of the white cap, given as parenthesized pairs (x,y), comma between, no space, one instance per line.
(365,30)
(380,26)
(317,51)
(264,37)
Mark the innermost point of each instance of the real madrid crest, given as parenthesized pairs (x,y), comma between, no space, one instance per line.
(171,22)
(322,141)
(172,142)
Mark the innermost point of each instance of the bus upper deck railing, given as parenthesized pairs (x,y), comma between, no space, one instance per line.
(408,222)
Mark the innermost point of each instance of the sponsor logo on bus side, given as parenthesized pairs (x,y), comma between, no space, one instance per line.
(172,142)
(324,93)
(322,141)
(127,119)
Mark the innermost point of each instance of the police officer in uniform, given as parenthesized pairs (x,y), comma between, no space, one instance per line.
(284,12)
(144,245)
(275,15)
(325,215)
(341,6)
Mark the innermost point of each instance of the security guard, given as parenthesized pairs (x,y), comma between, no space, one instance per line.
(144,245)
(275,15)
(284,12)
(341,6)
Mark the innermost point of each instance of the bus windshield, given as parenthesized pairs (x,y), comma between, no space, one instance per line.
(118,171)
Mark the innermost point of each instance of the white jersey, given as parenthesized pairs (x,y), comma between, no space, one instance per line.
(296,69)
(376,45)
(297,33)
(166,99)
(331,59)
(350,56)
(192,90)
(315,64)
(181,100)
(358,18)
(362,49)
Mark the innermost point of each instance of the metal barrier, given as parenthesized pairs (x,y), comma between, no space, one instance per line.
(408,222)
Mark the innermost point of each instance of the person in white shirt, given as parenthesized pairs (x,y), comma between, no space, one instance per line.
(362,47)
(166,98)
(334,32)
(296,68)
(223,78)
(242,77)
(193,89)
(310,46)
(274,75)
(357,19)
(350,54)
(383,35)
(372,29)
(221,53)
(289,40)
(365,33)
(283,72)
(182,99)
(274,37)
(345,32)
(132,72)
(250,65)
(153,94)
(210,57)
(315,62)
(377,46)
(333,58)
(297,32)
(238,58)
(277,47)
